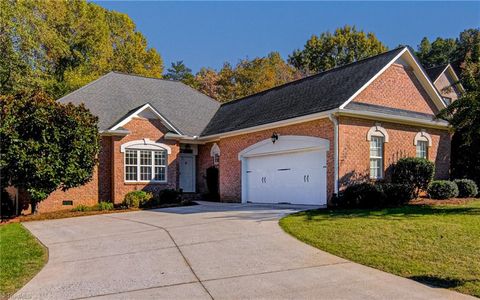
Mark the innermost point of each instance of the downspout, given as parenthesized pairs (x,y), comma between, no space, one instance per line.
(334,120)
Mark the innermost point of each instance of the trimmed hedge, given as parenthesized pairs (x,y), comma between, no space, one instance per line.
(368,195)
(362,195)
(414,171)
(466,188)
(170,196)
(397,194)
(136,198)
(442,189)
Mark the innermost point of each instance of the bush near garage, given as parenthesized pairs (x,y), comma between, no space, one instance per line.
(442,189)
(136,199)
(104,206)
(466,188)
(414,171)
(362,195)
(170,196)
(396,193)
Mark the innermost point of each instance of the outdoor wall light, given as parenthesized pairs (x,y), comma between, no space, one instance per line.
(274,137)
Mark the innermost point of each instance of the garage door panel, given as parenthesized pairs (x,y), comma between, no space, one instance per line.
(298,177)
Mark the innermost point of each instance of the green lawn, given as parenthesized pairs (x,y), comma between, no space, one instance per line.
(21,257)
(438,245)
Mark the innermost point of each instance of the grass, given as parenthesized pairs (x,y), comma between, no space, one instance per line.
(21,257)
(437,245)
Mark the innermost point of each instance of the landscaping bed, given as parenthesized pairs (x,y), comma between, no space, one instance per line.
(22,256)
(433,244)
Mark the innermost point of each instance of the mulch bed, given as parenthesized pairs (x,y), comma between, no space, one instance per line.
(61,214)
(451,201)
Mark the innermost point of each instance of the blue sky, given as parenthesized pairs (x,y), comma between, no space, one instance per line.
(210,33)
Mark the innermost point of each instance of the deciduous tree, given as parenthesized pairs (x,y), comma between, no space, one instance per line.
(46,145)
(327,51)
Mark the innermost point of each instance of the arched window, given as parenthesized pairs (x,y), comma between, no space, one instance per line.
(145,161)
(215,154)
(422,142)
(377,136)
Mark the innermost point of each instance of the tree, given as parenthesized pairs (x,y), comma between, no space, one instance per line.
(464,116)
(440,52)
(207,82)
(327,51)
(59,46)
(463,51)
(180,72)
(46,145)
(246,78)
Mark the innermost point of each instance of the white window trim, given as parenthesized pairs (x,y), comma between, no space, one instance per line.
(145,144)
(426,149)
(148,145)
(378,130)
(423,136)
(381,158)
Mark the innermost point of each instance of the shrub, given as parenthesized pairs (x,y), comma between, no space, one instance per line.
(169,196)
(442,189)
(466,188)
(414,171)
(136,198)
(81,207)
(362,195)
(104,206)
(397,193)
(7,208)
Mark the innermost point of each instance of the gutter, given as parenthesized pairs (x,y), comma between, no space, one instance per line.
(110,132)
(183,138)
(334,120)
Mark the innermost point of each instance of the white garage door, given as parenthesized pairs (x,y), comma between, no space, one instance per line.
(296,178)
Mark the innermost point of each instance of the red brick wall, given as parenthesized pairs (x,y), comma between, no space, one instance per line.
(204,161)
(354,149)
(108,182)
(140,129)
(444,85)
(230,166)
(98,189)
(398,87)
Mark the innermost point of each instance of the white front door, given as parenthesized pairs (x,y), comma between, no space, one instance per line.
(187,173)
(297,178)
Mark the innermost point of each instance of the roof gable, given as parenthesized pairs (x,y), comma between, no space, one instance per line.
(114,96)
(313,94)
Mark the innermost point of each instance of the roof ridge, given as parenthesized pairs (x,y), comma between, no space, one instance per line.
(87,85)
(315,75)
(144,76)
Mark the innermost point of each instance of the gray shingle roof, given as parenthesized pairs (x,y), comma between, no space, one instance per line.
(392,111)
(317,93)
(114,95)
(435,72)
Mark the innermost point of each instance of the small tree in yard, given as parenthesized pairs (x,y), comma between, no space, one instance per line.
(415,172)
(46,145)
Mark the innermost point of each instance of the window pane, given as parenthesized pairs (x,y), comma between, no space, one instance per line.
(422,149)
(160,158)
(146,173)
(376,157)
(145,158)
(131,157)
(159,174)
(131,173)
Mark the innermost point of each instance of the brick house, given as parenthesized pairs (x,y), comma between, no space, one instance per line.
(300,142)
(445,79)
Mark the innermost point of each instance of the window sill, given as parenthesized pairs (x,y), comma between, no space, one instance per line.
(144,182)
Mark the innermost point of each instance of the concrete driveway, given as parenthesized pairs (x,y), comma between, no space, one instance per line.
(220,251)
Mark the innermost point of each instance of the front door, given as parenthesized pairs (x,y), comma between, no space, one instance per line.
(187,173)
